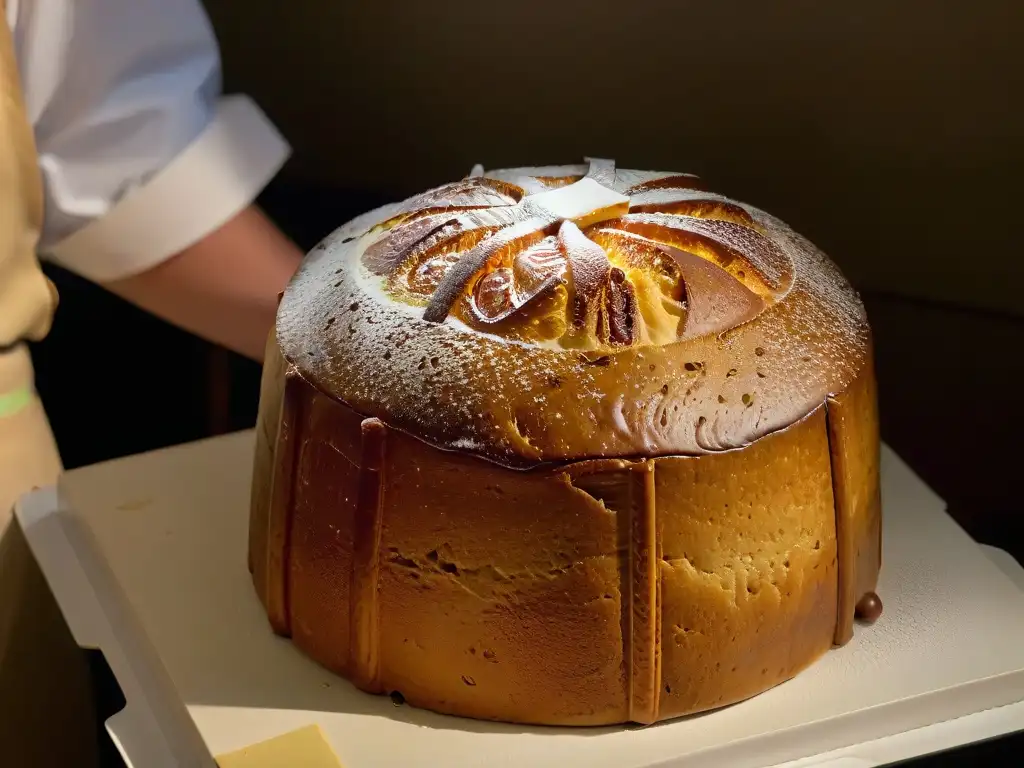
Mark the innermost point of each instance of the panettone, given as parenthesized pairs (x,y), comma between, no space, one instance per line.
(573,445)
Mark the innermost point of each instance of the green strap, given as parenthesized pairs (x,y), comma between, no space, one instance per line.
(12,402)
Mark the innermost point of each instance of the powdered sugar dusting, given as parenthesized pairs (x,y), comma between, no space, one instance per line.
(519,403)
(764,255)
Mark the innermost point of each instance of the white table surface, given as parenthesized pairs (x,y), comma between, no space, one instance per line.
(146,556)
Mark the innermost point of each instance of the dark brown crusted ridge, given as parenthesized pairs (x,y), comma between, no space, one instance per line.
(477,192)
(645,603)
(273,499)
(455,280)
(854,445)
(617,321)
(628,490)
(666,181)
(588,270)
(365,625)
(535,273)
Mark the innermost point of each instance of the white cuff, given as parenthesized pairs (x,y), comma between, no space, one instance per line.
(216,177)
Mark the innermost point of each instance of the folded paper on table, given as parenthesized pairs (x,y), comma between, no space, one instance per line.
(305,747)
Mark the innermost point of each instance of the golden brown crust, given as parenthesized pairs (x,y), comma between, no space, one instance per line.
(749,567)
(273,478)
(593,593)
(364,658)
(570,536)
(520,400)
(321,570)
(855,443)
(268,422)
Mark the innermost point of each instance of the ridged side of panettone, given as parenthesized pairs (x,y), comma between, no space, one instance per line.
(590,593)
(574,445)
(855,452)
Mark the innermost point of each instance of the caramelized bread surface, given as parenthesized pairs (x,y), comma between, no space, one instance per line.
(596,592)
(583,458)
(635,317)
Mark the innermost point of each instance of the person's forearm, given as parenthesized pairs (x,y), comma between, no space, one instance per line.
(225,287)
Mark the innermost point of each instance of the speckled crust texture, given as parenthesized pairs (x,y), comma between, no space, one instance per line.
(519,404)
(533,596)
(516,532)
(748,568)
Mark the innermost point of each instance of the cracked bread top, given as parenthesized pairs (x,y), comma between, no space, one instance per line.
(552,314)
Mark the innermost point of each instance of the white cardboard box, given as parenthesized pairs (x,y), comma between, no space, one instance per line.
(147,558)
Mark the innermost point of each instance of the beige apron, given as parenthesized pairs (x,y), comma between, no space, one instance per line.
(28,455)
(46,712)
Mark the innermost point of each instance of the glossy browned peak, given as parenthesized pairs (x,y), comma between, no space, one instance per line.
(552,314)
(588,259)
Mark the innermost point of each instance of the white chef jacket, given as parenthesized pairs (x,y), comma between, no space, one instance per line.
(140,154)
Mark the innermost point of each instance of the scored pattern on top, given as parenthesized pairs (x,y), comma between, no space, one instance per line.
(586,257)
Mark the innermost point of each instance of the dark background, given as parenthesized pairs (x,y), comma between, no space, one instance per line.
(888,131)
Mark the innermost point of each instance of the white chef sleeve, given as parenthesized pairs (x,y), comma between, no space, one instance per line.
(140,154)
